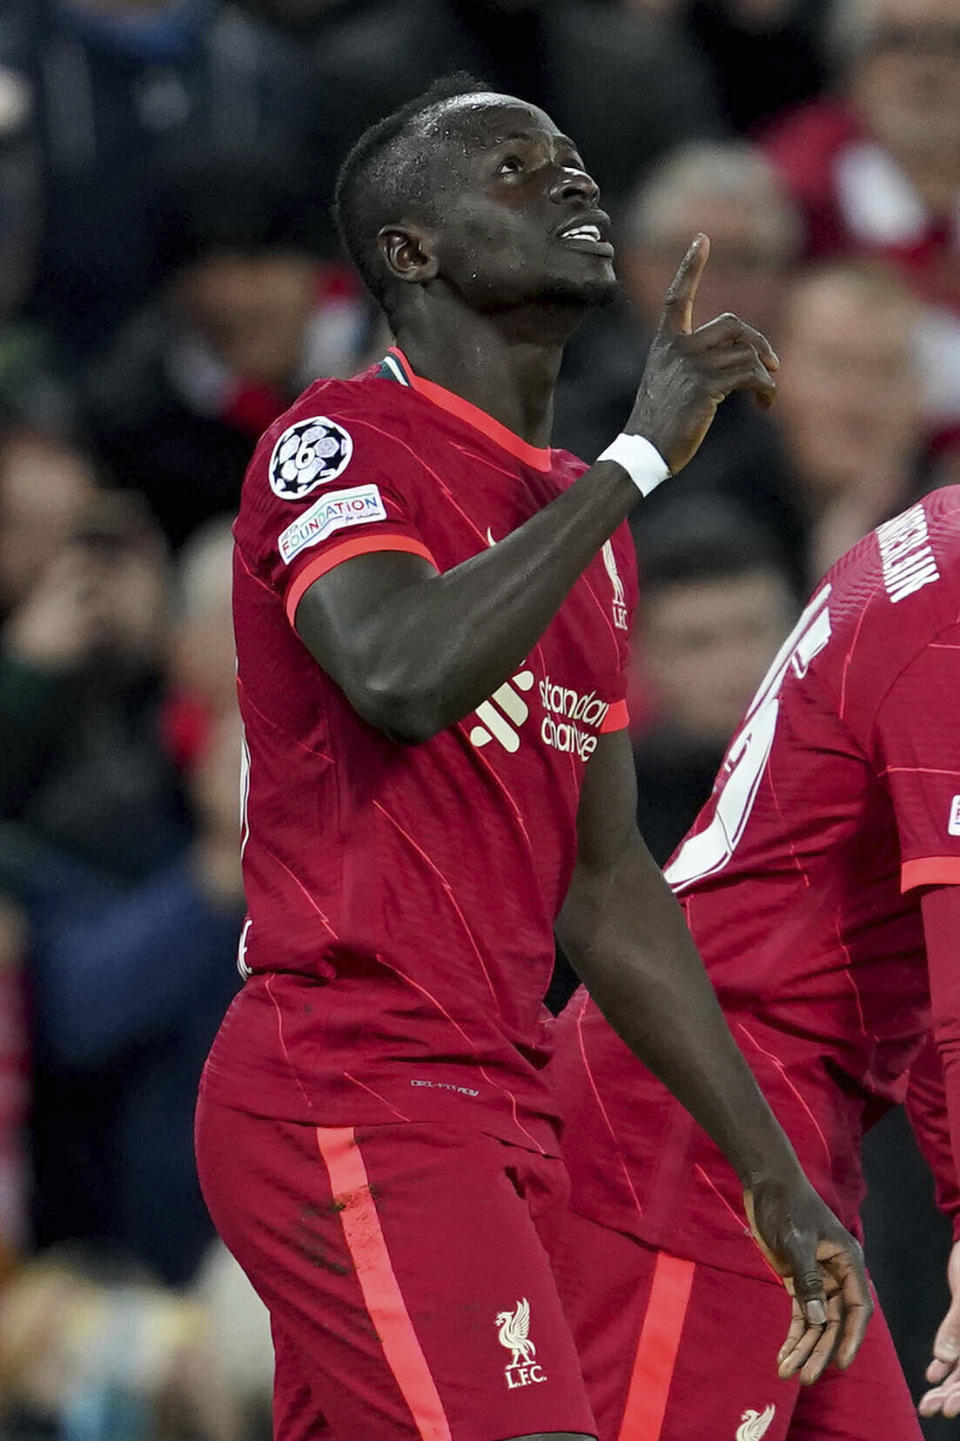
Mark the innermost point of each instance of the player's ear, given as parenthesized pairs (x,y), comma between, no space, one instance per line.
(408,253)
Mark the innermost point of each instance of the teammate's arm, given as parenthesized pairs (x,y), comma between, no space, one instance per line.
(624,933)
(415,651)
(940,907)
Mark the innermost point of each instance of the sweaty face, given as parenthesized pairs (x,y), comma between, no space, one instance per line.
(517,216)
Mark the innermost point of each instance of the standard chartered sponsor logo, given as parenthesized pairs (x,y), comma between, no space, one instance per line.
(570,721)
(568,712)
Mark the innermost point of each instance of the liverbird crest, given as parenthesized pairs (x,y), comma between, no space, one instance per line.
(514,1333)
(754,1424)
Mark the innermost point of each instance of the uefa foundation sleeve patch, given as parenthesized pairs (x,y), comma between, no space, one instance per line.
(332,512)
(308,454)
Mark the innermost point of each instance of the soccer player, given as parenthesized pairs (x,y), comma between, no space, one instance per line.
(432,612)
(821,883)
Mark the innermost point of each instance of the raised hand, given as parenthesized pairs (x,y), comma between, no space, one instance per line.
(689,372)
(944,1370)
(822,1268)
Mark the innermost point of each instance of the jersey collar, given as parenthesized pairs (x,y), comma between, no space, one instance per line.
(397,367)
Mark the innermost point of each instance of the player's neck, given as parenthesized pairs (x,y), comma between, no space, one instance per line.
(492,365)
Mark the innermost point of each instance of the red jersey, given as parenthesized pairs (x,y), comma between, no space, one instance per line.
(399,940)
(838,798)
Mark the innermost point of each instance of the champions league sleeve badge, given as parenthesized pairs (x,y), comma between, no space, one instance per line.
(308,454)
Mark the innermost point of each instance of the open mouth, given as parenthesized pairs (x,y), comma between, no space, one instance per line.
(586,235)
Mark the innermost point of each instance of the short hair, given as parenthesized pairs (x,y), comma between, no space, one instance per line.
(705,538)
(723,169)
(848,31)
(242,204)
(384,173)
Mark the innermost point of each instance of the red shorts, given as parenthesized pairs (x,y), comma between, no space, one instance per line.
(409,1289)
(673,1350)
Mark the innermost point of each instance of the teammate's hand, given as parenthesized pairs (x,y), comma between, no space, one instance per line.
(822,1268)
(944,1369)
(689,372)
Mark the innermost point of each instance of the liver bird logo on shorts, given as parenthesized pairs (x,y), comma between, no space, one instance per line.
(514,1335)
(754,1424)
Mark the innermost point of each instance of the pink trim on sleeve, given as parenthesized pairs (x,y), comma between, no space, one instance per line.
(930,871)
(360,545)
(617,717)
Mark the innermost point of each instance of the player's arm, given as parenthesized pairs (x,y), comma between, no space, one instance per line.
(940,907)
(916,749)
(415,651)
(625,935)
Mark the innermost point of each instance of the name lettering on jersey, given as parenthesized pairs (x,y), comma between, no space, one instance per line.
(334,511)
(906,555)
(308,454)
(953,824)
(754,1424)
(570,724)
(513,1332)
(619,605)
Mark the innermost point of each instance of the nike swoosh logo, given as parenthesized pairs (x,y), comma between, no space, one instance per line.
(490,539)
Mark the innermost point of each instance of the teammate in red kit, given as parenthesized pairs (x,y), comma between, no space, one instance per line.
(821,883)
(432,610)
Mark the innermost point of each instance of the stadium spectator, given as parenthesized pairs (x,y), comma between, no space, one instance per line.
(876,166)
(239,1325)
(763,54)
(14,1090)
(131,974)
(45,485)
(201,661)
(122,88)
(247,319)
(570,56)
(849,404)
(31,389)
(715,605)
(82,769)
(728,190)
(130,987)
(94,1349)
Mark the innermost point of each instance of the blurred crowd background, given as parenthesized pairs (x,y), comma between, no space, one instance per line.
(169,281)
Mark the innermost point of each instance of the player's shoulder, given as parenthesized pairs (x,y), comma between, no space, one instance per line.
(909,566)
(332,426)
(894,592)
(363,397)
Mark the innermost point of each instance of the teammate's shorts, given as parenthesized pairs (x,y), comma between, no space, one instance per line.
(410,1293)
(673,1350)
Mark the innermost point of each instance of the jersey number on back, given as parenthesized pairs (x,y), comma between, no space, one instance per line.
(709,851)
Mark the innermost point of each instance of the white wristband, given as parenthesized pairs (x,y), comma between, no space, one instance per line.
(641,460)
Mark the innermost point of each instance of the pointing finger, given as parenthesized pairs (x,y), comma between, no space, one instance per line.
(730,331)
(677,318)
